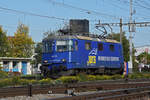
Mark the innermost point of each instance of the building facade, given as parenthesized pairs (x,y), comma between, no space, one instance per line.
(142,49)
(22,65)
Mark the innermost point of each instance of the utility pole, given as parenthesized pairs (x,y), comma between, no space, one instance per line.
(121,30)
(130,38)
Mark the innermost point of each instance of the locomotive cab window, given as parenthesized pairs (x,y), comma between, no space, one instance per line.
(64,45)
(111,47)
(87,45)
(47,47)
(100,46)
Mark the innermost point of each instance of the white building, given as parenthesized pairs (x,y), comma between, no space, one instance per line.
(142,49)
(10,64)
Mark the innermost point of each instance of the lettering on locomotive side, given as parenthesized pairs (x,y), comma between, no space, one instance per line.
(105,58)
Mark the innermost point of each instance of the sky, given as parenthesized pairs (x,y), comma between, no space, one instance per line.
(50,15)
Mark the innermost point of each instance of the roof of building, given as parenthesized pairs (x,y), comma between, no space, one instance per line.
(13,58)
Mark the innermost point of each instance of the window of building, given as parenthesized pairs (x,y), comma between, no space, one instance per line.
(15,64)
(6,65)
(100,46)
(76,45)
(87,45)
(112,47)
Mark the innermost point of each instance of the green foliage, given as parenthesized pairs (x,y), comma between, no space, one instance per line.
(4,44)
(6,82)
(30,77)
(68,79)
(16,80)
(91,77)
(135,76)
(82,77)
(45,81)
(38,51)
(103,77)
(144,57)
(24,82)
(115,77)
(3,74)
(147,76)
(33,81)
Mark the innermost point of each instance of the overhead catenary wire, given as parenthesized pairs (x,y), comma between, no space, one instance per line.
(31,14)
(143,3)
(84,10)
(37,15)
(137,4)
(116,5)
(140,5)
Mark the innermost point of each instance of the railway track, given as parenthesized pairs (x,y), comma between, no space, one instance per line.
(77,87)
(141,93)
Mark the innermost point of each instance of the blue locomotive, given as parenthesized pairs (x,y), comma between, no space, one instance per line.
(73,54)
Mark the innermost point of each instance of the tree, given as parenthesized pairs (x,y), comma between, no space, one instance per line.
(4,44)
(144,58)
(22,43)
(38,51)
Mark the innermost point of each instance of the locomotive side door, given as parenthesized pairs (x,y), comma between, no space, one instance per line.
(75,54)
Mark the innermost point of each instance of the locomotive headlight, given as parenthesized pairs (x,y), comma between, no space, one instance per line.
(45,61)
(63,60)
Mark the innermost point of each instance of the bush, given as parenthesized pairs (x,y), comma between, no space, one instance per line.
(31,77)
(135,76)
(3,74)
(6,82)
(33,82)
(91,77)
(24,82)
(68,79)
(114,77)
(16,80)
(46,81)
(28,77)
(146,76)
(82,77)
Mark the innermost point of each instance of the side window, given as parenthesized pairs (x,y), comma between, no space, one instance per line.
(100,46)
(111,47)
(87,45)
(76,45)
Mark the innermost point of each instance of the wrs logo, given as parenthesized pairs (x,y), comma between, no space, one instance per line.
(91,60)
(92,57)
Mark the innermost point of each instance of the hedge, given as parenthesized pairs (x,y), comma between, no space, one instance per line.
(16,81)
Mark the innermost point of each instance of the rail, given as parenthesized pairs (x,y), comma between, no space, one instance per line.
(119,94)
(77,87)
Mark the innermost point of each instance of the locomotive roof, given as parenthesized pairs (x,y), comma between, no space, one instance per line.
(59,37)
